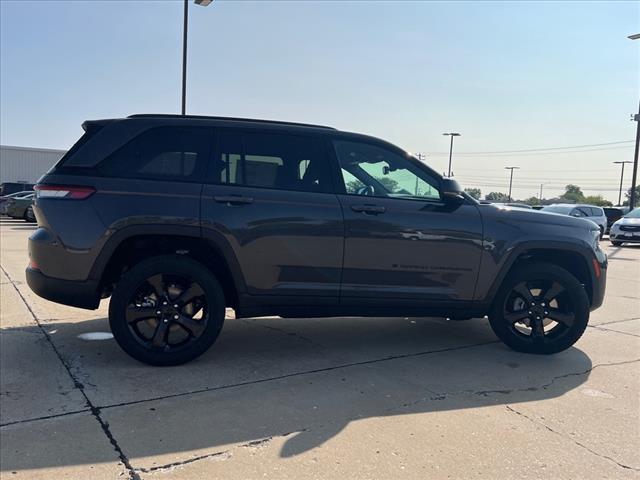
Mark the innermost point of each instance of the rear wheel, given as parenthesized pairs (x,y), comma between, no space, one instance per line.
(166,310)
(29,216)
(540,309)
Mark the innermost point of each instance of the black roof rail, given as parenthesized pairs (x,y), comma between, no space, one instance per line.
(229,119)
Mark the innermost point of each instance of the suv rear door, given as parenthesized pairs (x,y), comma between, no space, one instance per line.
(402,241)
(270,198)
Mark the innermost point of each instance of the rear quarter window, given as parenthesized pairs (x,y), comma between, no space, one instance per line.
(162,153)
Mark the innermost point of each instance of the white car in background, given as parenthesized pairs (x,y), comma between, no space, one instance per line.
(627,229)
(590,212)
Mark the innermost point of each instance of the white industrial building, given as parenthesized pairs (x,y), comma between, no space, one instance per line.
(24,164)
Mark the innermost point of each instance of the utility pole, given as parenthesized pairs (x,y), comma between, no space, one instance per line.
(451,134)
(621,179)
(541,185)
(511,178)
(419,156)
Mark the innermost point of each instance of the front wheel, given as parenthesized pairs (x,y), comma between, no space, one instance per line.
(616,244)
(540,309)
(166,310)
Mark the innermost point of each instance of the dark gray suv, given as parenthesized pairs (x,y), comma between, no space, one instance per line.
(178,217)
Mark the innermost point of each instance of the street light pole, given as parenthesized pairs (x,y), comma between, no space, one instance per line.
(451,134)
(541,185)
(634,176)
(621,179)
(511,178)
(185,26)
(184,55)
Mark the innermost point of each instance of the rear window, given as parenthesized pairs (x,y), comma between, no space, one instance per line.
(90,131)
(162,153)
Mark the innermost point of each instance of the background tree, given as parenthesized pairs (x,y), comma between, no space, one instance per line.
(572,194)
(531,201)
(354,185)
(497,197)
(474,192)
(388,183)
(628,195)
(597,200)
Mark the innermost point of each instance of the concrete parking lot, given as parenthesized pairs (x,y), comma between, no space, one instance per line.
(316,398)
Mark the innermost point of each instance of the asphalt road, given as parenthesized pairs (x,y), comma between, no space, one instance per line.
(340,398)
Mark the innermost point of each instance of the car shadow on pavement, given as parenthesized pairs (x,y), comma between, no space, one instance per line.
(303,380)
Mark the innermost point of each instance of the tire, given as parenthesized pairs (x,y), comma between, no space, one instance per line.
(29,216)
(148,338)
(616,244)
(543,334)
(601,232)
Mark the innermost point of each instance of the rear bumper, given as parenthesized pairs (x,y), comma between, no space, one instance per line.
(72,293)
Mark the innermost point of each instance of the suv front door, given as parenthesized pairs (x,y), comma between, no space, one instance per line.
(402,240)
(270,195)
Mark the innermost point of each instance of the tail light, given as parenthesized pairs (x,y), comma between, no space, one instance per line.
(64,191)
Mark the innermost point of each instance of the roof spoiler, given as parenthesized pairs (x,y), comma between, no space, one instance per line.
(94,124)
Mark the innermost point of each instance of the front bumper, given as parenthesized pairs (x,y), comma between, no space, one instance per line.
(598,278)
(76,294)
(623,236)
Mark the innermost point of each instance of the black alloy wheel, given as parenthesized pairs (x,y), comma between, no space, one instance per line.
(29,216)
(167,310)
(540,309)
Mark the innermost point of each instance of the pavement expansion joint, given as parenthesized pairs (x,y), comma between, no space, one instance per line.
(95,411)
(581,445)
(298,374)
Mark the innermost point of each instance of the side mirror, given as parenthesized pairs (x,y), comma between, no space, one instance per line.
(451,191)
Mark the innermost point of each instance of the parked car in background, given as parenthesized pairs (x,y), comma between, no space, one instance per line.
(4,200)
(177,217)
(613,215)
(7,188)
(627,229)
(590,212)
(21,207)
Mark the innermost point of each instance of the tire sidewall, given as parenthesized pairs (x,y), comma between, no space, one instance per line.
(167,264)
(574,288)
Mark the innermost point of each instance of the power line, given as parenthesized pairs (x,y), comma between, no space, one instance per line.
(536,154)
(537,149)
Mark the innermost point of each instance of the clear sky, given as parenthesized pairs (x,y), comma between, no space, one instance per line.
(508,76)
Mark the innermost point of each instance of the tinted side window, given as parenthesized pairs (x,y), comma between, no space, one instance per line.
(164,153)
(580,212)
(596,212)
(372,170)
(280,161)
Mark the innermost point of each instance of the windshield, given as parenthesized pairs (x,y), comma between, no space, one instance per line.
(557,209)
(635,213)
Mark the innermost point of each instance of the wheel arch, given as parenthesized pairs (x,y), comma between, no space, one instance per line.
(134,244)
(571,257)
